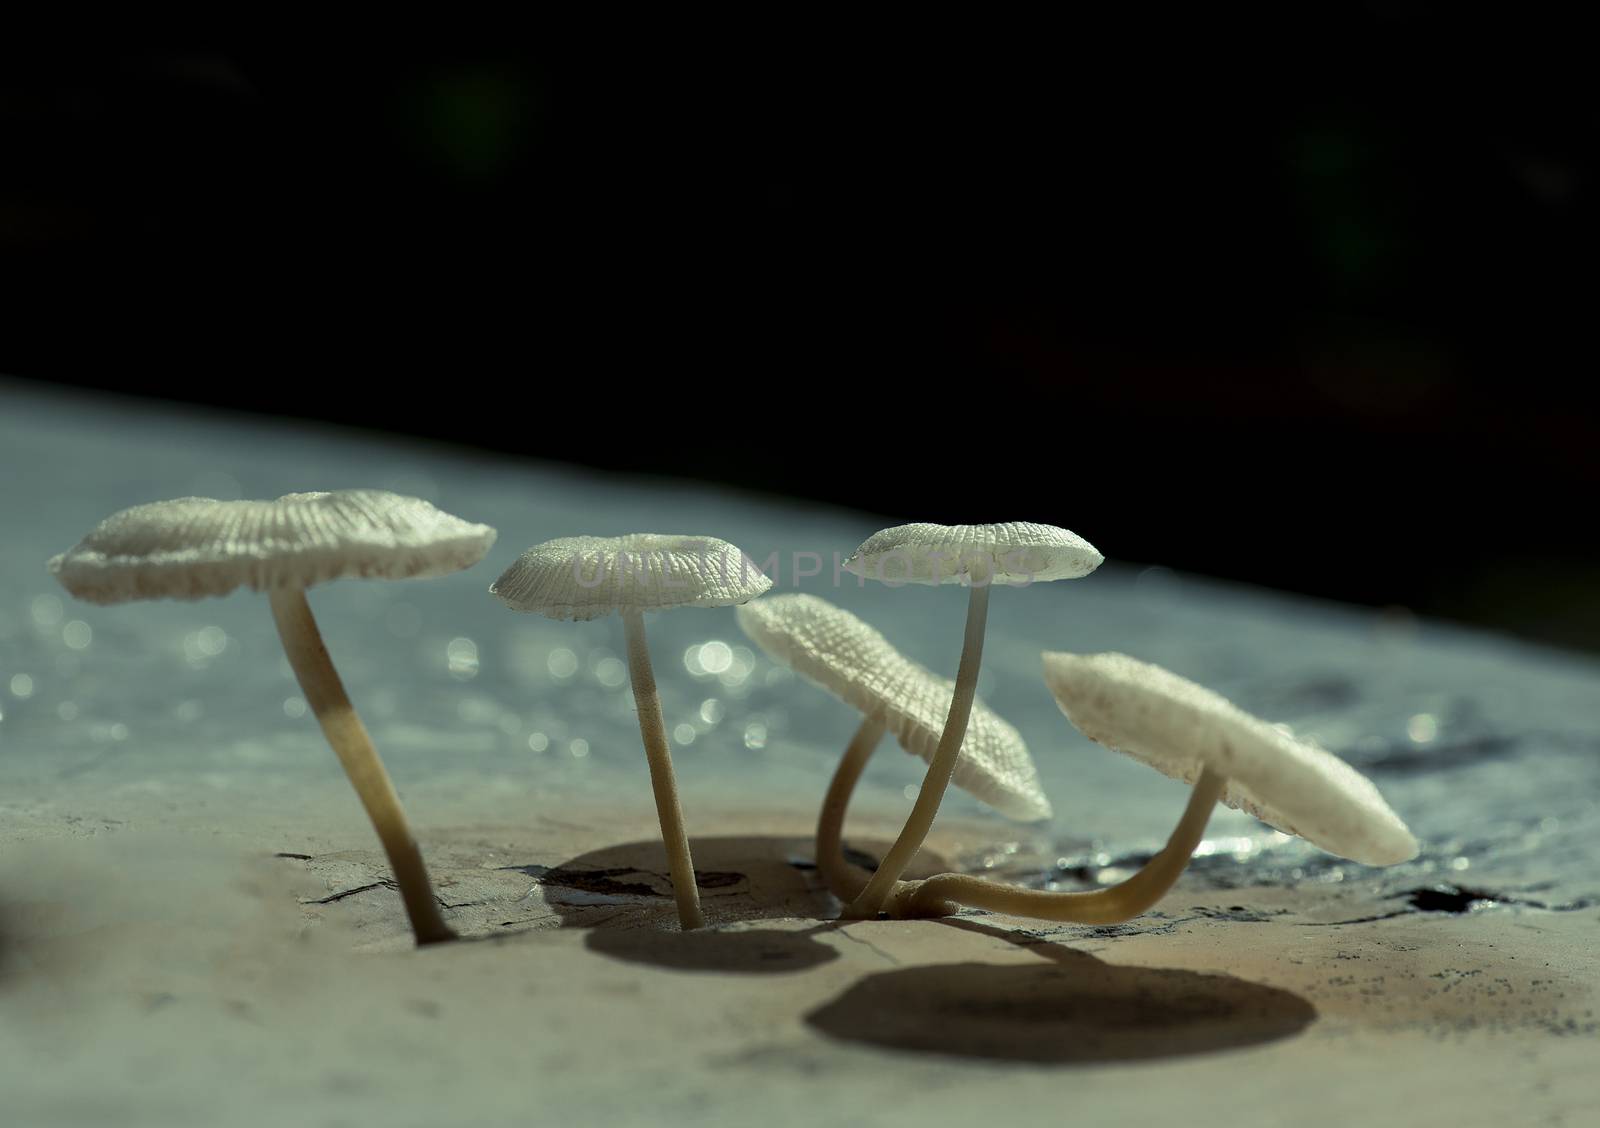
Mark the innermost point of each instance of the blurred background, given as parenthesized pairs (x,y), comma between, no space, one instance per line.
(1306,305)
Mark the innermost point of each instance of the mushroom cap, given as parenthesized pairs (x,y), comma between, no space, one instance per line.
(1178,728)
(1015,553)
(195,547)
(847,657)
(587,577)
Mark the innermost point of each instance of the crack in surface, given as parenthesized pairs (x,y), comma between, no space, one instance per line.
(870,946)
(342,894)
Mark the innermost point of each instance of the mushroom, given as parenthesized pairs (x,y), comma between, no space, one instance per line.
(196,547)
(832,648)
(587,577)
(1190,733)
(1017,553)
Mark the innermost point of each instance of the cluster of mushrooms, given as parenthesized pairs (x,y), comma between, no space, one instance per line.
(197,547)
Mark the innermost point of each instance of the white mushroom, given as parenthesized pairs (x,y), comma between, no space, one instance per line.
(196,547)
(850,659)
(587,577)
(1016,554)
(1190,733)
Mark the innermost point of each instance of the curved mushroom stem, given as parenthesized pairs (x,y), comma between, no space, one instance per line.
(653,731)
(845,881)
(1121,902)
(940,768)
(319,681)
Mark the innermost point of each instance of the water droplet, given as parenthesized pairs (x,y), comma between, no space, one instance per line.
(67,711)
(1460,863)
(294,706)
(538,741)
(1422,728)
(579,748)
(740,669)
(711,710)
(461,658)
(204,644)
(21,685)
(188,711)
(716,657)
(46,610)
(562,663)
(910,791)
(610,672)
(755,735)
(77,634)
(683,734)
(118,731)
(211,641)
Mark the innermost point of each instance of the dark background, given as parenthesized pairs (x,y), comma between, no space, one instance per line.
(1305,304)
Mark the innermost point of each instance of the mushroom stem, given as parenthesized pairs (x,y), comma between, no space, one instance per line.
(319,681)
(940,768)
(845,881)
(653,731)
(1121,902)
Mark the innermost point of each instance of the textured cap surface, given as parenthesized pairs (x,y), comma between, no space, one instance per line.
(586,577)
(1015,553)
(1178,727)
(195,546)
(851,660)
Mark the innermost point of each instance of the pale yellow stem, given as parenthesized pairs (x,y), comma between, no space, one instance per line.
(844,880)
(319,681)
(943,765)
(1121,902)
(653,731)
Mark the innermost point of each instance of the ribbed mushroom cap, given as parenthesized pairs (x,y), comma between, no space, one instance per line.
(851,660)
(1178,727)
(587,577)
(195,547)
(1014,553)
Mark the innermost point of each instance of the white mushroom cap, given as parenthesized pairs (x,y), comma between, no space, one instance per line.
(1016,553)
(851,660)
(1178,728)
(587,577)
(195,547)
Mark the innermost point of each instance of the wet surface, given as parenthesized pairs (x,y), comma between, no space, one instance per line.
(513,742)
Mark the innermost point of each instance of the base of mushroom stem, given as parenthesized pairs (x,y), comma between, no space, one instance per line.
(899,905)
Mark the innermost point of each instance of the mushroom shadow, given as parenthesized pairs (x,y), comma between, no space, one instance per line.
(1072,1009)
(622,894)
(762,951)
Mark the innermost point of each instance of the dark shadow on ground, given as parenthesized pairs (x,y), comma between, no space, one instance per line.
(623,895)
(741,878)
(1072,1008)
(1067,1010)
(761,951)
